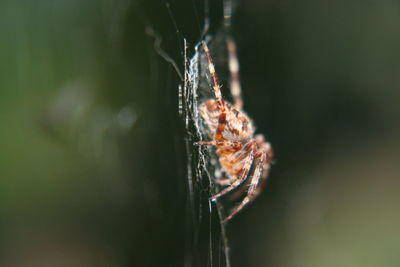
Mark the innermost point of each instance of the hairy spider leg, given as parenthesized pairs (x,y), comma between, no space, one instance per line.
(223,143)
(235,87)
(264,177)
(234,158)
(214,79)
(252,192)
(218,96)
(259,173)
(239,180)
(243,174)
(243,187)
(269,154)
(239,155)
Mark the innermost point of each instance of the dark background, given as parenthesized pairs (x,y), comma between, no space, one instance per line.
(92,159)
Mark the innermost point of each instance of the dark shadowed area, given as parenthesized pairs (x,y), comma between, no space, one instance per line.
(92,151)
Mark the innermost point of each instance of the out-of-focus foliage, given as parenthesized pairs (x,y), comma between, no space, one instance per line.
(85,138)
(91,155)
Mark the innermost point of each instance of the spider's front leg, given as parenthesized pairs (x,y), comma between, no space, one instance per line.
(217,93)
(214,79)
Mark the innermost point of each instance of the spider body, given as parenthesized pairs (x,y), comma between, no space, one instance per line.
(237,126)
(237,130)
(242,155)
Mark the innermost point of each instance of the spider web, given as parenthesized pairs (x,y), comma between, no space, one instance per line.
(203,216)
(206,242)
(202,167)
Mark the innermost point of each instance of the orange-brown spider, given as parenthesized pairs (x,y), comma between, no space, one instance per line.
(241,154)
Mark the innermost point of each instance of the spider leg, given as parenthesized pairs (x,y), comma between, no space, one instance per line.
(259,173)
(238,193)
(233,62)
(214,79)
(223,143)
(205,143)
(232,58)
(241,178)
(269,154)
(233,160)
(218,96)
(250,193)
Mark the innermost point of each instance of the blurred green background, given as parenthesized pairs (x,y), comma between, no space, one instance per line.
(92,161)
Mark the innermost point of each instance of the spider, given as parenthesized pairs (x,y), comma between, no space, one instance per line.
(242,154)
